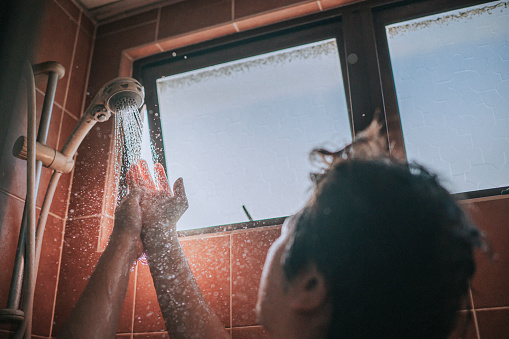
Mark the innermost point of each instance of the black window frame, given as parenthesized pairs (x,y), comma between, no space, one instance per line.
(238,46)
(368,81)
(394,13)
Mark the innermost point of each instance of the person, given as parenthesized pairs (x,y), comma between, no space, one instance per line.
(380,250)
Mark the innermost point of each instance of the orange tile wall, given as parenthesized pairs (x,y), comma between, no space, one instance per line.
(227,265)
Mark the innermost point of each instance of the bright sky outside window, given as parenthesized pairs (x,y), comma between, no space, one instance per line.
(240,133)
(451,73)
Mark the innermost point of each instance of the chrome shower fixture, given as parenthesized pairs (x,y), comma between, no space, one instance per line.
(101,108)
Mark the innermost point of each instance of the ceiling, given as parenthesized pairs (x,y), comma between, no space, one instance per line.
(108,10)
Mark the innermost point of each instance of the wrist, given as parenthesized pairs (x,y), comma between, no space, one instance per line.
(159,241)
(126,243)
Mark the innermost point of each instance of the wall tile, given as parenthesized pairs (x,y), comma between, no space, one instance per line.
(465,328)
(209,260)
(13,177)
(105,232)
(245,8)
(277,16)
(79,74)
(108,52)
(493,324)
(251,332)
(147,313)
(47,276)
(70,8)
(55,43)
(249,250)
(489,286)
(90,171)
(126,317)
(79,258)
(11,211)
(188,16)
(126,23)
(87,24)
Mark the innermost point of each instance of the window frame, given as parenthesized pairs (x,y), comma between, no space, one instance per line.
(230,48)
(368,82)
(394,13)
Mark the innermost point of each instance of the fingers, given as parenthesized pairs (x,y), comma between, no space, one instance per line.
(145,174)
(178,188)
(133,177)
(161,179)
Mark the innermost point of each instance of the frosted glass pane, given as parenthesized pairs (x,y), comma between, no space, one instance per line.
(240,133)
(452,81)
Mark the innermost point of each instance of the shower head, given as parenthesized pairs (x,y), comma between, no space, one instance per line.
(119,89)
(108,100)
(112,95)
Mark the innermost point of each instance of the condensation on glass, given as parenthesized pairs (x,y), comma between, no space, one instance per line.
(451,74)
(240,133)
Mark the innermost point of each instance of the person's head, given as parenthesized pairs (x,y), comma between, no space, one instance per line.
(381,250)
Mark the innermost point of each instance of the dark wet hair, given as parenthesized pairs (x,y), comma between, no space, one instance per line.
(395,248)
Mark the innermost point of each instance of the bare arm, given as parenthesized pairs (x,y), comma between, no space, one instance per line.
(186,312)
(97,312)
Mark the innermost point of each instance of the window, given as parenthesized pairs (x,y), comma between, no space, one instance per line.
(237,116)
(240,132)
(451,79)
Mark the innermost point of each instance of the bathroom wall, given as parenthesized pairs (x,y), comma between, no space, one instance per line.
(227,265)
(65,36)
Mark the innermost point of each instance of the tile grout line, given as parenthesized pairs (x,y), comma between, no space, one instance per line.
(474,314)
(233,11)
(127,29)
(89,68)
(9,194)
(69,75)
(496,308)
(69,188)
(158,22)
(66,12)
(84,217)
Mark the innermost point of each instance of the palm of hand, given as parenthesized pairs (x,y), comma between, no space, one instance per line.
(161,207)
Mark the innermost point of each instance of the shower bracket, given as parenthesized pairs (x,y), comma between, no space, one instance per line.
(48,156)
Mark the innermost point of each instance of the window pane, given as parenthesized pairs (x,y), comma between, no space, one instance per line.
(451,73)
(240,133)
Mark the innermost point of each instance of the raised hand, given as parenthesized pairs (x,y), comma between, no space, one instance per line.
(161,206)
